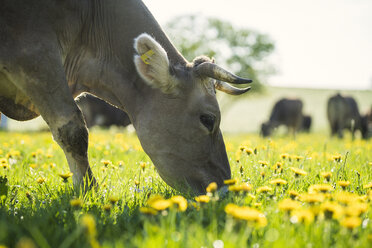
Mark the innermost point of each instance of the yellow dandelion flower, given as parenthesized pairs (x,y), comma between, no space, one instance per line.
(326,175)
(346,197)
(343,184)
(331,210)
(33,166)
(120,163)
(76,203)
(367,186)
(143,165)
(320,188)
(230,181)
(298,171)
(264,189)
(248,151)
(356,209)
(5,166)
(180,201)
(336,157)
(262,174)
(312,198)
(113,199)
(106,162)
(302,216)
(148,211)
(136,182)
(284,155)
(263,163)
(107,207)
(288,205)
(202,198)
(293,194)
(351,222)
(250,215)
(88,222)
(212,187)
(41,180)
(159,203)
(278,182)
(65,176)
(3,161)
(243,187)
(298,158)
(238,156)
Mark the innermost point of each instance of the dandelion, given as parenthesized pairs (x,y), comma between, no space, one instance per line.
(278,182)
(230,181)
(120,163)
(41,180)
(323,188)
(107,207)
(345,197)
(148,211)
(262,174)
(159,203)
(77,203)
(312,198)
(351,222)
(331,210)
(263,163)
(136,182)
(284,156)
(336,158)
(289,205)
(298,171)
(143,166)
(33,166)
(212,187)
(343,184)
(113,199)
(264,189)
(367,186)
(5,166)
(180,201)
(302,216)
(89,224)
(244,187)
(65,176)
(3,161)
(293,194)
(202,198)
(248,151)
(106,162)
(356,209)
(278,167)
(251,215)
(326,175)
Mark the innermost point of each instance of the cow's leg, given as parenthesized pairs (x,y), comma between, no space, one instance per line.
(43,81)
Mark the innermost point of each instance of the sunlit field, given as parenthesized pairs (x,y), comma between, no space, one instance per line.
(312,191)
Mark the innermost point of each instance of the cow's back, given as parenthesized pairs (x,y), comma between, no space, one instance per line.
(342,112)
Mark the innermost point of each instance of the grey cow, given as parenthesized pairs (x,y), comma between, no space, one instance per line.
(287,112)
(51,51)
(343,113)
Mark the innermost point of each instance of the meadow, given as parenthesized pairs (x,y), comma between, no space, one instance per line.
(312,191)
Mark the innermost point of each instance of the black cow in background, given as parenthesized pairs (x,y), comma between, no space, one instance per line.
(343,113)
(306,123)
(99,113)
(287,112)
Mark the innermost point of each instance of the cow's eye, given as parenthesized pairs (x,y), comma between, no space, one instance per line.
(208,121)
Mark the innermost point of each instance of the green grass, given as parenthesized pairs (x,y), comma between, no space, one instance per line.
(41,214)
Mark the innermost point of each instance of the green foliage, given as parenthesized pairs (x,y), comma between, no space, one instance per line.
(239,49)
(42,214)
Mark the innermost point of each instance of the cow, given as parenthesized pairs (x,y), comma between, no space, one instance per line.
(343,113)
(97,112)
(287,112)
(52,51)
(306,123)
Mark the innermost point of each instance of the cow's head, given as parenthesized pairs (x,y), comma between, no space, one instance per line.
(178,122)
(266,129)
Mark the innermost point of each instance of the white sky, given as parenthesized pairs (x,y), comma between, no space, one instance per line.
(319,43)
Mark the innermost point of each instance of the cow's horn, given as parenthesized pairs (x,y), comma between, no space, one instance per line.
(214,71)
(227,88)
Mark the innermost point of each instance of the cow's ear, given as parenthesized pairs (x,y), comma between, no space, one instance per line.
(152,64)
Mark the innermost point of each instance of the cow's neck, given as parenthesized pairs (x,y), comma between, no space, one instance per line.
(101,60)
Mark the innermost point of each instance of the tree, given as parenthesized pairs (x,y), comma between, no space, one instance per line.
(241,50)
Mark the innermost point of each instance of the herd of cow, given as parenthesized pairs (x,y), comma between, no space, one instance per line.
(342,113)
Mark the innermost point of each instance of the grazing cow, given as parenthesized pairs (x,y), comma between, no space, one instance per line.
(97,112)
(343,113)
(306,123)
(51,51)
(287,112)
